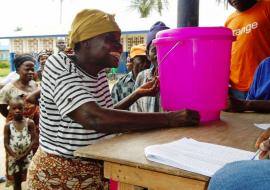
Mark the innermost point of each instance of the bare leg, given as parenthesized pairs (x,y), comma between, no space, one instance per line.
(17,181)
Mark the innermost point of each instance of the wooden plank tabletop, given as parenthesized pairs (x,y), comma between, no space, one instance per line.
(234,130)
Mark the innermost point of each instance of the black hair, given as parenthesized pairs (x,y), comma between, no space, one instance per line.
(20,59)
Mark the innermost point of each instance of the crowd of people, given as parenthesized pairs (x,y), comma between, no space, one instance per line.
(22,117)
(66,103)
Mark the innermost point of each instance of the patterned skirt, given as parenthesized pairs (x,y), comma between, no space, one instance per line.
(50,172)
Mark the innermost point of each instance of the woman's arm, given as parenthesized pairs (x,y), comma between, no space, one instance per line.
(258,105)
(93,117)
(236,105)
(148,89)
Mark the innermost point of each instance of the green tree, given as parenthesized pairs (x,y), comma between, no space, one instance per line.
(145,7)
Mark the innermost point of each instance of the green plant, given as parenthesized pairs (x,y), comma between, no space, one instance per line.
(4,72)
(4,64)
(4,68)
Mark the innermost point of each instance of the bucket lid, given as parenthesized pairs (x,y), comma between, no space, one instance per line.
(195,32)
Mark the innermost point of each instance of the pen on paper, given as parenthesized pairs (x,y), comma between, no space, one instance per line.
(256,154)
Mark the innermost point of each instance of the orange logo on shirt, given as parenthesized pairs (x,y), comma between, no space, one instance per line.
(246,29)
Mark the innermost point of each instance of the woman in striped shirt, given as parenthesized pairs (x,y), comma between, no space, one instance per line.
(76,108)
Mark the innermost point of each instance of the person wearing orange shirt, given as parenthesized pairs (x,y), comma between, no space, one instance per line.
(250,24)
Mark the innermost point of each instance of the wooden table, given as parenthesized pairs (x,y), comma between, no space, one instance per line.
(124,158)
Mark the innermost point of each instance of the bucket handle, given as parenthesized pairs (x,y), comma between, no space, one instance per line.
(166,55)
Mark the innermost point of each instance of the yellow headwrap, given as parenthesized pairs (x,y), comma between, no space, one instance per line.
(89,23)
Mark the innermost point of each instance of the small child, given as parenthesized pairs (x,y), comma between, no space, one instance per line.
(19,138)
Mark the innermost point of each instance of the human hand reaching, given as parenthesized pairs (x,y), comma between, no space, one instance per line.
(148,89)
(235,105)
(183,118)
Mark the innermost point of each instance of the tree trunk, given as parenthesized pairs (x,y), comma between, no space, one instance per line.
(187,13)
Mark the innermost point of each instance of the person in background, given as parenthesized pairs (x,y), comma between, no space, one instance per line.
(114,70)
(149,104)
(260,87)
(19,138)
(129,64)
(61,44)
(125,85)
(41,58)
(248,174)
(258,98)
(23,86)
(250,23)
(77,109)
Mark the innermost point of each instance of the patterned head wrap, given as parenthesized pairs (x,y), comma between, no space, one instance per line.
(90,23)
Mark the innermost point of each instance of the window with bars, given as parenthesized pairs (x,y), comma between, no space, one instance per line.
(134,40)
(32,45)
(46,44)
(18,46)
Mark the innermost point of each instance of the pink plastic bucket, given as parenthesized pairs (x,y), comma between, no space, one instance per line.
(194,67)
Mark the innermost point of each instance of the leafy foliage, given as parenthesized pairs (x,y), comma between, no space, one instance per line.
(145,7)
(225,2)
(4,64)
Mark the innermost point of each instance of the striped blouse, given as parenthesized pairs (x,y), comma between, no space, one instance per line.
(64,88)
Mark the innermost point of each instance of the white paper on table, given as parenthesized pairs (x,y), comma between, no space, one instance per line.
(263,126)
(198,157)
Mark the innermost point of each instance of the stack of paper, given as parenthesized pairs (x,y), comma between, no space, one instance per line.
(195,156)
(263,126)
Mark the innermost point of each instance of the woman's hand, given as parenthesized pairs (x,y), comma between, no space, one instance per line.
(183,118)
(263,143)
(236,105)
(149,89)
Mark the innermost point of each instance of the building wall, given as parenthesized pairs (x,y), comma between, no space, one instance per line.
(32,45)
(4,55)
(35,45)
